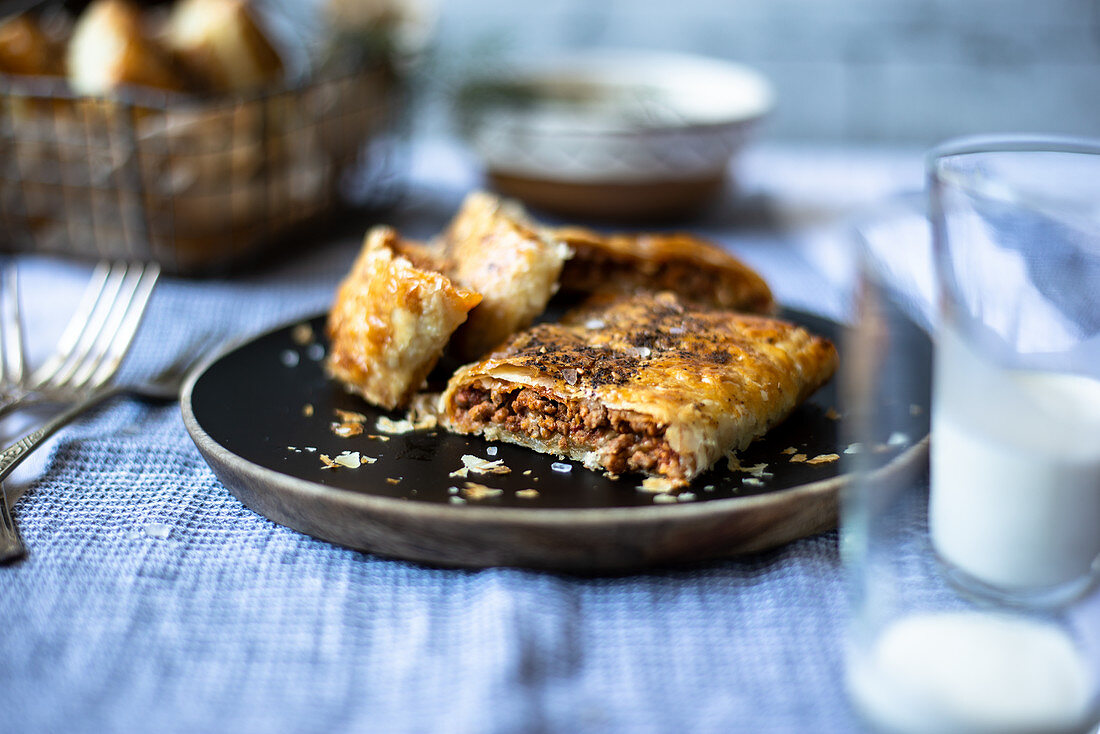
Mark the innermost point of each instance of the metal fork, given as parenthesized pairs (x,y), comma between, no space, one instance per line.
(87,356)
(165,387)
(96,338)
(12,373)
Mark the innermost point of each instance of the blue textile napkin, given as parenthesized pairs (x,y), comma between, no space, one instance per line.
(152,600)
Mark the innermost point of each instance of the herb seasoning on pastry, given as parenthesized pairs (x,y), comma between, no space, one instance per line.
(629,263)
(640,384)
(391,321)
(493,249)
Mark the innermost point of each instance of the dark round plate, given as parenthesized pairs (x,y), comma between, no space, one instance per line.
(262,415)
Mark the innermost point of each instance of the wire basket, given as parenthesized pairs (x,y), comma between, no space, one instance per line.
(195,184)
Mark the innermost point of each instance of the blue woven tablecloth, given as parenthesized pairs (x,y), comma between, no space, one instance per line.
(152,600)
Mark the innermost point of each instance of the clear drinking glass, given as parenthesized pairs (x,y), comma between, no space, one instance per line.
(974,585)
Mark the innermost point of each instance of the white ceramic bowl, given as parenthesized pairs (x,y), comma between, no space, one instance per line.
(615,134)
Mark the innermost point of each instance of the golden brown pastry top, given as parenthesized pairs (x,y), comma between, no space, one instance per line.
(695,269)
(714,379)
(390,321)
(492,248)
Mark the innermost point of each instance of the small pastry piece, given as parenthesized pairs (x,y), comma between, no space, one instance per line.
(640,384)
(26,49)
(391,321)
(492,248)
(693,268)
(109,49)
(220,44)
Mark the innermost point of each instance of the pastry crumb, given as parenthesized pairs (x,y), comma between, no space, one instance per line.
(307,410)
(831,414)
(302,334)
(685,497)
(664,498)
(752,481)
(348,459)
(656,485)
(527,494)
(789,450)
(346,430)
(798,458)
(395,480)
(476,464)
(823,459)
(475,491)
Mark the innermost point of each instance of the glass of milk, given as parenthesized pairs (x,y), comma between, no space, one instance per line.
(974,567)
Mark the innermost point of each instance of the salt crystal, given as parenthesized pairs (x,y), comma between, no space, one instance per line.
(594,324)
(561,468)
(897,439)
(663,498)
(569,375)
(289,358)
(491,451)
(315,352)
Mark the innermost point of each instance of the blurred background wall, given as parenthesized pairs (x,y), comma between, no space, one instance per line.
(885,71)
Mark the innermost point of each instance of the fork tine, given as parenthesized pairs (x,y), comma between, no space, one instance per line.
(93,326)
(127,329)
(6,378)
(13,353)
(125,299)
(79,321)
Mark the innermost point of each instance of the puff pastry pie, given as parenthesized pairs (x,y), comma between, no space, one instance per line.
(392,319)
(493,249)
(640,384)
(693,268)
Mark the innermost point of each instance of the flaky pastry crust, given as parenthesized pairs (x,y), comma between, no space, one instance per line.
(642,383)
(391,321)
(695,269)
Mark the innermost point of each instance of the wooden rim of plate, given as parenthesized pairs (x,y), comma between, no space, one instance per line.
(598,540)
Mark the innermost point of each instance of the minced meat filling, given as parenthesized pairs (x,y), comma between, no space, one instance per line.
(627,442)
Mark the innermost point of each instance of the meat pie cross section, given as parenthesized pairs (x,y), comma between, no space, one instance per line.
(640,384)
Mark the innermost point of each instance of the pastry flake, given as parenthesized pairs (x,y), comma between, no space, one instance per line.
(391,321)
(640,384)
